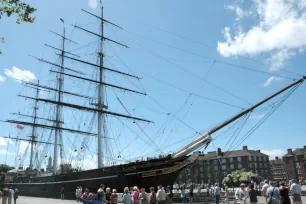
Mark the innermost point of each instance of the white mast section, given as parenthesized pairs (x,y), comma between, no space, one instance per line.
(101,98)
(59,108)
(194,145)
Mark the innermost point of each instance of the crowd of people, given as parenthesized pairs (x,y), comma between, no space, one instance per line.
(8,195)
(132,195)
(272,192)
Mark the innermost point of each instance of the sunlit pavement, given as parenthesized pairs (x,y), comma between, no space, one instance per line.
(31,200)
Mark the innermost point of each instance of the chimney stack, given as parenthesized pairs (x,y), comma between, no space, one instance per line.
(245,148)
(276,158)
(304,147)
(219,152)
(258,150)
(289,151)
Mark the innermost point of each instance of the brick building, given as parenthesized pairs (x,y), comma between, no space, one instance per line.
(214,166)
(295,164)
(278,170)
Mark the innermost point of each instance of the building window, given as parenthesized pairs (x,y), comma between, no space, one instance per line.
(260,165)
(255,158)
(239,159)
(224,167)
(259,158)
(250,158)
(223,161)
(250,165)
(224,173)
(239,166)
(216,168)
(216,161)
(232,166)
(255,164)
(231,160)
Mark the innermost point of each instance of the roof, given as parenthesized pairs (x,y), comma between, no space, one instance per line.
(276,161)
(236,153)
(299,151)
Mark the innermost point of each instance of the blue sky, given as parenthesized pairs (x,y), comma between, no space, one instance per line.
(177,42)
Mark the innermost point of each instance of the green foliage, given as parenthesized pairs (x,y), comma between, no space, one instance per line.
(19,8)
(242,176)
(5,168)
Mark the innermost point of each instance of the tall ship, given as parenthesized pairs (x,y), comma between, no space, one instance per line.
(145,172)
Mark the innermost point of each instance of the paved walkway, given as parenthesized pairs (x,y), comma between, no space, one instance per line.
(31,200)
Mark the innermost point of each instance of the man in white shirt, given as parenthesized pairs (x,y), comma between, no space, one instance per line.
(264,189)
(161,195)
(217,193)
(295,189)
(241,193)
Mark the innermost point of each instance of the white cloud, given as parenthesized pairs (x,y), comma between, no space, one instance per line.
(2,79)
(259,116)
(270,80)
(92,4)
(281,29)
(274,153)
(4,141)
(18,74)
(239,11)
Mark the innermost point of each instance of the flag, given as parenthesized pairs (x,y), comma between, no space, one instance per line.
(19,127)
(62,20)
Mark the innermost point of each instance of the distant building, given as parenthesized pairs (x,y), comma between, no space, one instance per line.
(278,170)
(295,164)
(214,166)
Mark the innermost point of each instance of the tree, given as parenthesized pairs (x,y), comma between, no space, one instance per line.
(16,7)
(5,168)
(242,176)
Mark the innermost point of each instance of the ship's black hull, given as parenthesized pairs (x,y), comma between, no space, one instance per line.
(115,177)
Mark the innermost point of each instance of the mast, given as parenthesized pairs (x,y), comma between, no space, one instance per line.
(58,131)
(101,97)
(33,136)
(205,139)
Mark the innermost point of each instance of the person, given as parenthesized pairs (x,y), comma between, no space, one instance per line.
(126,196)
(11,197)
(85,194)
(63,193)
(108,194)
(143,198)
(253,194)
(169,195)
(152,196)
(284,194)
(295,189)
(241,193)
(272,194)
(226,200)
(136,195)
(191,195)
(183,196)
(101,193)
(114,197)
(16,193)
(78,193)
(5,195)
(217,193)
(161,195)
(264,189)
